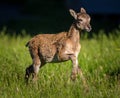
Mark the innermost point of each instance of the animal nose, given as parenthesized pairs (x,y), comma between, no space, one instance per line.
(88,29)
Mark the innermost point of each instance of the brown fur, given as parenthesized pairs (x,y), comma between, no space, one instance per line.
(59,47)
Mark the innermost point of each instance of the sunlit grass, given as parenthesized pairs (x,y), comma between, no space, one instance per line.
(99,59)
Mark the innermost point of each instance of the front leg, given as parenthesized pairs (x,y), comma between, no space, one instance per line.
(77,71)
(75,68)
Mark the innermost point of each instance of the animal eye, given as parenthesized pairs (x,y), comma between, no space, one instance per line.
(80,20)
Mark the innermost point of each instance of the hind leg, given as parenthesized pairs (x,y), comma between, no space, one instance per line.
(36,66)
(32,69)
(29,71)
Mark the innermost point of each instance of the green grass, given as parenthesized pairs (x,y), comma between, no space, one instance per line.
(99,59)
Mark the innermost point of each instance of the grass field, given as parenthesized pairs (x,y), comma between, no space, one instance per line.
(99,59)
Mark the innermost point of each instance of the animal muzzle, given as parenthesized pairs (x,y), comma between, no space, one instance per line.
(88,28)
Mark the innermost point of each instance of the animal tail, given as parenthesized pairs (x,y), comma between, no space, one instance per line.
(27,44)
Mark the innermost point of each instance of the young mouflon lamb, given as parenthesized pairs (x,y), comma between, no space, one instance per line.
(45,48)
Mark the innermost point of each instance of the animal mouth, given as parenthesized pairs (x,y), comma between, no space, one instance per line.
(88,29)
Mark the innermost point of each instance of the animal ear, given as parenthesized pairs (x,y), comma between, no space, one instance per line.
(73,13)
(82,10)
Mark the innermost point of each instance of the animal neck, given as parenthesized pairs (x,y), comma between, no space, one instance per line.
(74,33)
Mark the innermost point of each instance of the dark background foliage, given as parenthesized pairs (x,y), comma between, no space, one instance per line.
(52,16)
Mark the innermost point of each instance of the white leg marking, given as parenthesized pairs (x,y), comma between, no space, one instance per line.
(36,68)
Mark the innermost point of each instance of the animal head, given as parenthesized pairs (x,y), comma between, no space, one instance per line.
(82,19)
